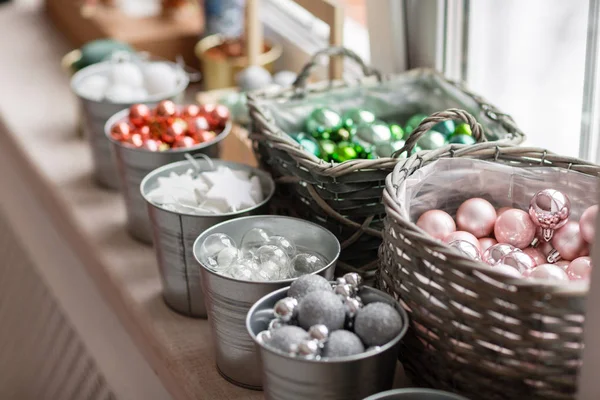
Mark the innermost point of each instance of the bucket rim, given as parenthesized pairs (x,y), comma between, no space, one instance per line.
(257,172)
(203,45)
(277,283)
(338,360)
(416,391)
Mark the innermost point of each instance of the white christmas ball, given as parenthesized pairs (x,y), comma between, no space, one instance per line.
(284,78)
(159,78)
(120,93)
(140,94)
(93,87)
(253,78)
(126,73)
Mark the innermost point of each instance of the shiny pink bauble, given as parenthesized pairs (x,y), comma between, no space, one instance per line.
(466,249)
(547,272)
(462,235)
(536,254)
(587,223)
(549,209)
(495,252)
(515,227)
(501,210)
(476,216)
(563,264)
(568,242)
(579,269)
(507,270)
(485,243)
(437,223)
(518,260)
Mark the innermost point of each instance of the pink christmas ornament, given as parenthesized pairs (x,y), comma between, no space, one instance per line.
(476,216)
(563,264)
(587,223)
(466,249)
(518,260)
(485,243)
(579,269)
(437,223)
(515,227)
(507,270)
(547,272)
(462,235)
(501,210)
(568,243)
(494,253)
(549,209)
(536,254)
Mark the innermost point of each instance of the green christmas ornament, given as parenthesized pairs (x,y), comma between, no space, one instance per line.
(341,134)
(446,128)
(99,50)
(322,122)
(308,143)
(397,132)
(462,139)
(357,116)
(431,140)
(463,129)
(328,148)
(387,149)
(376,132)
(362,149)
(344,151)
(413,122)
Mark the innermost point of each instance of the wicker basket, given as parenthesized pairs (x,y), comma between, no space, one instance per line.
(473,331)
(346,197)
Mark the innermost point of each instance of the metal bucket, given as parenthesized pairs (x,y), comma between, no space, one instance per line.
(134,164)
(174,235)
(344,378)
(96,113)
(415,394)
(228,300)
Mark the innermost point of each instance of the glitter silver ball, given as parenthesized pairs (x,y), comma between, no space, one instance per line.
(377,324)
(285,309)
(345,290)
(319,332)
(276,324)
(342,343)
(308,349)
(321,307)
(306,284)
(287,338)
(263,337)
(354,279)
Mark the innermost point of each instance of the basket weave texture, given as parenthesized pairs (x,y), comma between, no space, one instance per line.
(473,331)
(345,197)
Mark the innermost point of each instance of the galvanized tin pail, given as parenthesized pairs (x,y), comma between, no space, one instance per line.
(415,394)
(174,235)
(133,164)
(228,300)
(344,378)
(96,113)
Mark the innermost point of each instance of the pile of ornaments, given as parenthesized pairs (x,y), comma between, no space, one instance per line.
(358,134)
(319,320)
(207,192)
(167,126)
(261,256)
(129,81)
(540,243)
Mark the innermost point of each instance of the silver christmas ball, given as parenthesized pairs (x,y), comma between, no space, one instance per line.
(352,306)
(345,290)
(285,309)
(377,324)
(319,332)
(276,324)
(340,281)
(308,349)
(287,338)
(342,343)
(354,279)
(253,78)
(284,78)
(263,337)
(321,307)
(306,284)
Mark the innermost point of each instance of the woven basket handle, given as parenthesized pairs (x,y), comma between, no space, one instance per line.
(301,80)
(436,118)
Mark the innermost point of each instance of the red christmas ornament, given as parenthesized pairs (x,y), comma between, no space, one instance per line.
(184,141)
(144,130)
(198,124)
(204,136)
(120,131)
(139,115)
(151,144)
(190,111)
(174,131)
(165,111)
(220,115)
(135,140)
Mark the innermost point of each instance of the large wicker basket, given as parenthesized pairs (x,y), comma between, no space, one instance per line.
(474,331)
(346,197)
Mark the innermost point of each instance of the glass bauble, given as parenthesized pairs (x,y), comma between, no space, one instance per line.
(431,140)
(344,151)
(461,139)
(397,132)
(463,128)
(322,122)
(327,149)
(357,116)
(376,132)
(384,149)
(446,128)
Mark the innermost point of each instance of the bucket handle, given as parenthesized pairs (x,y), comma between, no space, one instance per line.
(434,119)
(192,160)
(300,84)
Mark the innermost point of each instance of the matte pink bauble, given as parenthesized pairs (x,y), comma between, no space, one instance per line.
(549,209)
(547,272)
(462,235)
(587,223)
(515,227)
(466,249)
(494,253)
(536,254)
(501,210)
(579,269)
(507,270)
(437,223)
(476,216)
(485,243)
(568,243)
(518,260)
